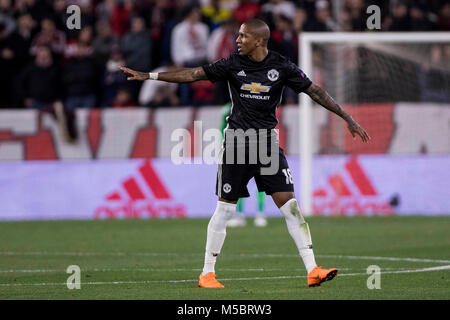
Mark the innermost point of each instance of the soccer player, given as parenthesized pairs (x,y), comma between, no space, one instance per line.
(256,78)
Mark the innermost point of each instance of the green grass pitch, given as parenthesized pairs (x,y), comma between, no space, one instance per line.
(161,259)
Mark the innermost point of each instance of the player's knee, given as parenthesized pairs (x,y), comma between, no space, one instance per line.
(281,198)
(291,210)
(224,212)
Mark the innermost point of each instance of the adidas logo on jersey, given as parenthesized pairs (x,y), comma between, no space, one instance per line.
(241,73)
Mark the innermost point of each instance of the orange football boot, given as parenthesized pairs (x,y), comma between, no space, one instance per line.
(209,281)
(319,275)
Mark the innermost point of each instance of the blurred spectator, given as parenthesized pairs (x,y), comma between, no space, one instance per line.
(246,10)
(6,15)
(309,6)
(6,58)
(299,19)
(113,78)
(84,39)
(171,20)
(432,78)
(222,41)
(214,14)
(19,42)
(37,8)
(321,20)
(136,45)
(419,21)
(103,42)
(159,22)
(80,79)
(188,46)
(60,16)
(399,20)
(159,93)
(202,93)
(345,23)
(120,17)
(355,9)
(50,37)
(123,99)
(189,39)
(280,7)
(40,81)
(284,39)
(443,23)
(277,7)
(104,10)
(88,17)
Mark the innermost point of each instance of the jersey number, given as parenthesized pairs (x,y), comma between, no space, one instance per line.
(287,173)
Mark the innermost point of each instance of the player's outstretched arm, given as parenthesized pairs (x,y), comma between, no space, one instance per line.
(179,76)
(323,98)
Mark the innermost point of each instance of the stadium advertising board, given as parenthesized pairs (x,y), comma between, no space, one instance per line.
(157,188)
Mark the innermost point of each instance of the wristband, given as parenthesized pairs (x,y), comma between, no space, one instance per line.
(153,76)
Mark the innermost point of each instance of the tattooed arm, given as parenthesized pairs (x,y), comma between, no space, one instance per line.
(322,97)
(182,75)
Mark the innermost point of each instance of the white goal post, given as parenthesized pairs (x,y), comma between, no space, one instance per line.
(306,42)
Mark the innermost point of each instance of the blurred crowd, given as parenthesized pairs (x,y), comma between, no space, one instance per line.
(43,61)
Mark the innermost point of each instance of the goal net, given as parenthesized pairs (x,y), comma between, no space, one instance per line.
(396,86)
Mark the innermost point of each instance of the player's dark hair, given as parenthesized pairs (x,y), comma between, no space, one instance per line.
(259,29)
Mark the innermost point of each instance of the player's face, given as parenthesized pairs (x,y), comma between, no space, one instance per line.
(246,42)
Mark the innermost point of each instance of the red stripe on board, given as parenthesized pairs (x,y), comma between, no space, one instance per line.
(6,135)
(94,130)
(339,186)
(320,193)
(114,196)
(153,181)
(40,146)
(133,189)
(359,177)
(145,144)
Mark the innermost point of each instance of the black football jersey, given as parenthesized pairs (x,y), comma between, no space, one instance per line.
(256,88)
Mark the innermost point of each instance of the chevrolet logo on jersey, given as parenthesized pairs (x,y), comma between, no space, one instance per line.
(255,87)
